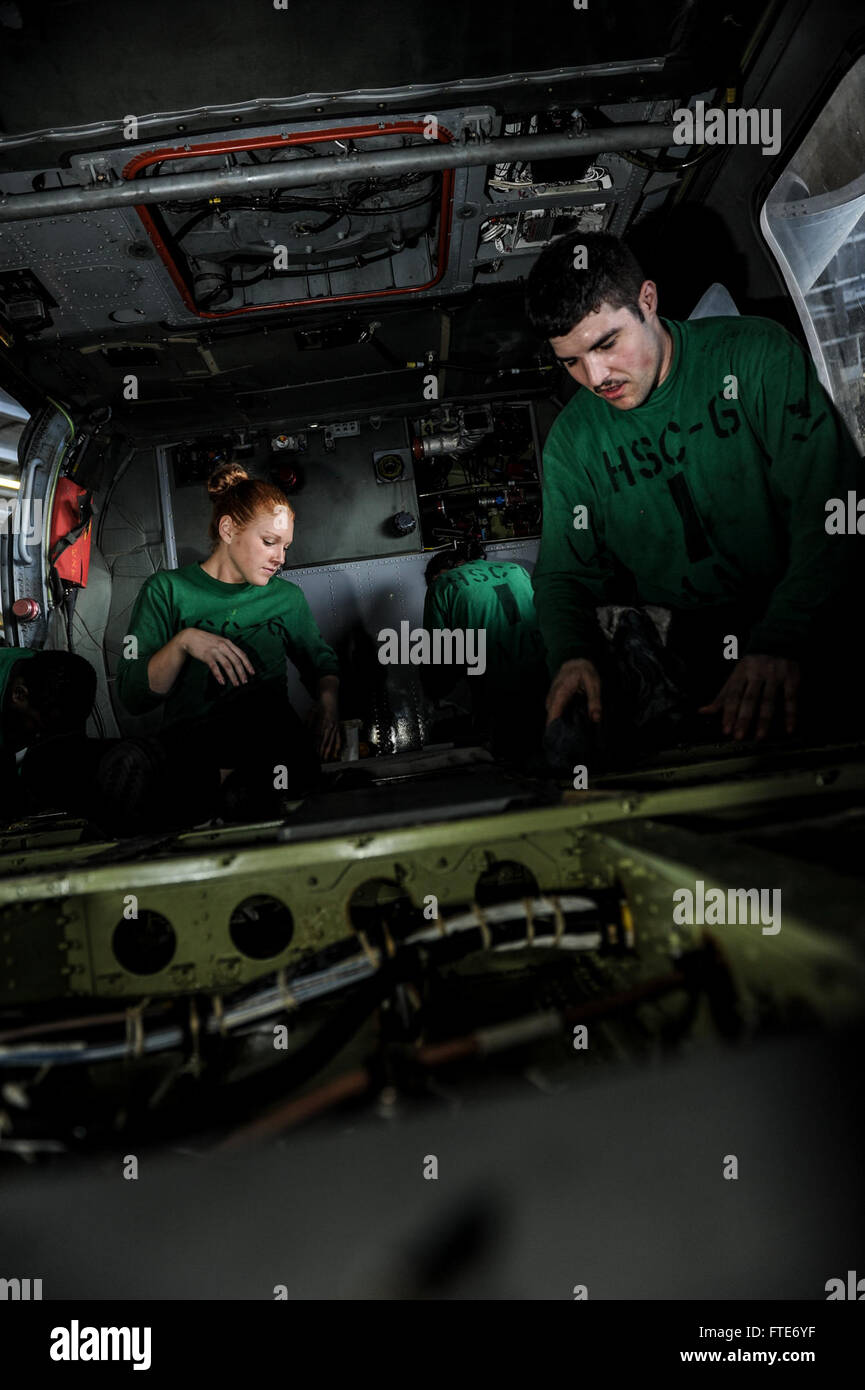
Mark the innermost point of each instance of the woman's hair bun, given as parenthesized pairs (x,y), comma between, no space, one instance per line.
(225,477)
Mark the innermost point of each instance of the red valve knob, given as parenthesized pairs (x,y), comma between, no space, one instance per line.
(26,609)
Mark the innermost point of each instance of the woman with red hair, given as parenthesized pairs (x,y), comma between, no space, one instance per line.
(208,643)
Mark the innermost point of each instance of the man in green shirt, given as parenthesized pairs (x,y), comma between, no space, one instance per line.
(692,470)
(493,598)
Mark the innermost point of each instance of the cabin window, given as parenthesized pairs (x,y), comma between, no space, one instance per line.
(814,222)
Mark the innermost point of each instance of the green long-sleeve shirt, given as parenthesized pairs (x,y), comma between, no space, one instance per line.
(269,622)
(495,596)
(712,492)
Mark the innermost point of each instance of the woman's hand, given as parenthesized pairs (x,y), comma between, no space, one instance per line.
(326,733)
(221,657)
(325,720)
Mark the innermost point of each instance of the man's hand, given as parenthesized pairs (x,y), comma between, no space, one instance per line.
(757,679)
(573,678)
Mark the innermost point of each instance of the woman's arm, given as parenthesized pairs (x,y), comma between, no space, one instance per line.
(216,652)
(318,667)
(154,653)
(326,722)
(165,666)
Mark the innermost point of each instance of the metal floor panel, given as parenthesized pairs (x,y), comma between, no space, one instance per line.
(456,795)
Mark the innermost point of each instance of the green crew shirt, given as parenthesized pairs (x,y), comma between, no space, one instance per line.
(711,492)
(9,656)
(269,622)
(495,596)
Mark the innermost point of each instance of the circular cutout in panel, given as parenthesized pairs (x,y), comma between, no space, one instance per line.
(146,944)
(505,882)
(261,927)
(377,902)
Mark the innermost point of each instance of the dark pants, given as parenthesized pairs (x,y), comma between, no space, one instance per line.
(258,735)
(171,779)
(512,721)
(57,773)
(58,764)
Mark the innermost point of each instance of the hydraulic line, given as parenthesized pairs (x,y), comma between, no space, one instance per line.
(533,1027)
(485,1042)
(280,1118)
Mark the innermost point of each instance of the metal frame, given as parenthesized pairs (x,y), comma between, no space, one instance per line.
(22,207)
(166,506)
(303,137)
(262,108)
(24,568)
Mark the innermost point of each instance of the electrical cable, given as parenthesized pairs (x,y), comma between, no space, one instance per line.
(504,920)
(358,263)
(281,200)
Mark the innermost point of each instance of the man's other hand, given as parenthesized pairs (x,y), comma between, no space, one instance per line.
(755,686)
(573,678)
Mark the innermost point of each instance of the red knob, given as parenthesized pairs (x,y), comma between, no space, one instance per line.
(25,609)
